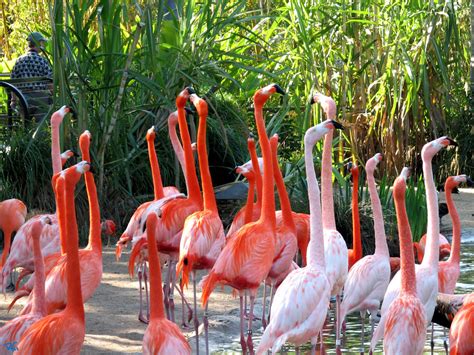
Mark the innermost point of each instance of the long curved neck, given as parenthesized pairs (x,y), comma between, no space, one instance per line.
(157,310)
(407,259)
(381,247)
(73,275)
(95,230)
(55,148)
(432,233)
(206,180)
(286,212)
(327,200)
(258,174)
(192,183)
(315,252)
(456,243)
(176,144)
(155,170)
(60,212)
(248,214)
(39,306)
(268,203)
(356,241)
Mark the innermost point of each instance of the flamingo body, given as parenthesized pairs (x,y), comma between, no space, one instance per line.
(461,341)
(335,252)
(156,341)
(12,217)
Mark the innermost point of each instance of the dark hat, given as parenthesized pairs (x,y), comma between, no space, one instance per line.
(36,37)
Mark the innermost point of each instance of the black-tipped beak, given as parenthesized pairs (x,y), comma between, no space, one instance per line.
(337,125)
(74,154)
(469,182)
(190,90)
(452,142)
(311,102)
(251,136)
(188,110)
(91,168)
(279,90)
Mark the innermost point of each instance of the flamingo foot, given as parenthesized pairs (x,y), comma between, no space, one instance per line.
(143,319)
(249,341)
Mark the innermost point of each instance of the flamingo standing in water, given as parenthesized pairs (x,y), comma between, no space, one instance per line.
(63,332)
(335,248)
(285,238)
(248,255)
(161,336)
(173,213)
(427,271)
(461,341)
(21,252)
(12,216)
(355,254)
(405,319)
(203,235)
(90,257)
(14,329)
(368,279)
(301,302)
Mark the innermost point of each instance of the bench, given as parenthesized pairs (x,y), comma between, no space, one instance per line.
(12,118)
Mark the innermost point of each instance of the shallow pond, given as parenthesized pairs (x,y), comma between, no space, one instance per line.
(351,341)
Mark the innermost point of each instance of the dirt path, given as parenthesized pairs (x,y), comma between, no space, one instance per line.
(112,326)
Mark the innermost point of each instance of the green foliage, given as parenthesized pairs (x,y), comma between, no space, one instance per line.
(396,70)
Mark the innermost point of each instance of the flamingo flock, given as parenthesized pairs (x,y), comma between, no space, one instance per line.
(184,233)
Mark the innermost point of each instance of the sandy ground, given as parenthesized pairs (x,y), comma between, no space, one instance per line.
(112,326)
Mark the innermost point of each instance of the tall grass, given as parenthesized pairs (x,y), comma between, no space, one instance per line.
(396,69)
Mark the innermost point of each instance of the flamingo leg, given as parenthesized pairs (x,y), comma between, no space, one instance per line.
(321,347)
(171,288)
(196,320)
(242,322)
(338,320)
(445,341)
(141,318)
(362,331)
(206,329)
(183,299)
(272,294)
(147,299)
(264,319)
(166,290)
(297,350)
(249,328)
(432,338)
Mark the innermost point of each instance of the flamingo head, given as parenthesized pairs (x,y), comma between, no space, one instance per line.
(75,172)
(317,132)
(405,173)
(36,229)
(150,134)
(183,96)
(327,103)
(200,104)
(372,163)
(263,94)
(108,227)
(400,184)
(431,148)
(58,116)
(84,144)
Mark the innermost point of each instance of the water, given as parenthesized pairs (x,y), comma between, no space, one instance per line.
(351,341)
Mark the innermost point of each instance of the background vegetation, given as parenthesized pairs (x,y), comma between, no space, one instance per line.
(397,69)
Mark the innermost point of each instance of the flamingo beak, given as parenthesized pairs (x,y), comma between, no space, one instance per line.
(337,125)
(279,90)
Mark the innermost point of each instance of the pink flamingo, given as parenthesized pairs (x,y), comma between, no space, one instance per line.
(427,271)
(161,336)
(301,302)
(63,332)
(108,228)
(90,257)
(174,212)
(285,238)
(248,255)
(66,155)
(405,319)
(335,248)
(256,165)
(14,329)
(368,279)
(203,234)
(460,333)
(444,247)
(12,217)
(448,271)
(355,254)
(21,253)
